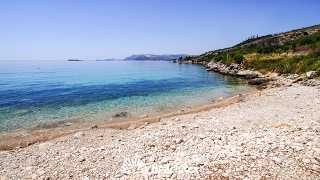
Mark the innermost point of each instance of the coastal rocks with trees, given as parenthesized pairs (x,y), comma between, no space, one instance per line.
(292,52)
(233,70)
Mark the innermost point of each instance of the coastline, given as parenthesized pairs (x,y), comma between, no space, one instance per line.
(268,134)
(22,140)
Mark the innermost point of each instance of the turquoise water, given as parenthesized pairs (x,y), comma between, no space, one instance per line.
(41,94)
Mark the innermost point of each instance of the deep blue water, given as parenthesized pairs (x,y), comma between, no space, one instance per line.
(40,93)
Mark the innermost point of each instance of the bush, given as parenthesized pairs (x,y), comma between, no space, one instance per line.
(238,58)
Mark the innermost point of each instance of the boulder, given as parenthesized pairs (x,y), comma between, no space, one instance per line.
(293,76)
(297,79)
(234,66)
(258,81)
(312,82)
(310,74)
(248,74)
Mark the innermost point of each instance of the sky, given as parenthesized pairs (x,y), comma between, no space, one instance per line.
(101,29)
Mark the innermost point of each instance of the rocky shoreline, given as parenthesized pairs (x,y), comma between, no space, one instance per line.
(256,78)
(270,134)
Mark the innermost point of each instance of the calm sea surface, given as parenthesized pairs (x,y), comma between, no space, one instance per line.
(38,94)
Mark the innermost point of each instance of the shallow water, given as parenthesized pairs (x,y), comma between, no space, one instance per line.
(37,94)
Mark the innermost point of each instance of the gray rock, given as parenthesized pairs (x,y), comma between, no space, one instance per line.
(293,76)
(312,82)
(234,66)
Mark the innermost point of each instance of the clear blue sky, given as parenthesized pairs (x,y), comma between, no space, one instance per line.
(100,29)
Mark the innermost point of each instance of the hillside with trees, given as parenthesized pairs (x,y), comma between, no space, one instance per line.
(296,51)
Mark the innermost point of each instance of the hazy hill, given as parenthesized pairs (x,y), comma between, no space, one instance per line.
(165,57)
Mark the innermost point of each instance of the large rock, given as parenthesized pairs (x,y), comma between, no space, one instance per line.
(293,76)
(312,82)
(248,74)
(310,74)
(258,81)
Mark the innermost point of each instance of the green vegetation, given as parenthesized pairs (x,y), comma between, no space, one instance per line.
(274,53)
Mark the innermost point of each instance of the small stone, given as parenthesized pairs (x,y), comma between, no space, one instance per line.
(144,116)
(94,126)
(201,136)
(299,172)
(164,160)
(81,159)
(132,126)
(306,160)
(118,176)
(225,175)
(316,128)
(4,178)
(178,141)
(215,169)
(277,160)
(221,99)
(172,147)
(34,176)
(209,172)
(79,135)
(28,168)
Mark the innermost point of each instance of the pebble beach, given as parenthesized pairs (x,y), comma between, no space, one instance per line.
(269,134)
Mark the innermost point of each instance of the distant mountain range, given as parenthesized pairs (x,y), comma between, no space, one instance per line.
(153,57)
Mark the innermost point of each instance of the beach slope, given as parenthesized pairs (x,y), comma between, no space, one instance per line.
(270,134)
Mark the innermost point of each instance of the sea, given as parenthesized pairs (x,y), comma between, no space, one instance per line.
(48,94)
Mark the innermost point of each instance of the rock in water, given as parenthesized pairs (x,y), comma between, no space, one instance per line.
(122,114)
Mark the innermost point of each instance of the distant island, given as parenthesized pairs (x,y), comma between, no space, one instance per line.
(74,60)
(153,57)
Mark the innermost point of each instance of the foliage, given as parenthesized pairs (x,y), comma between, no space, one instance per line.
(188,58)
(296,64)
(297,56)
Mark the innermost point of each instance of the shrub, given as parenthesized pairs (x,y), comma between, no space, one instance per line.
(238,58)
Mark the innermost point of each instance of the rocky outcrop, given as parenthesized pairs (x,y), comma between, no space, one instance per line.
(233,70)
